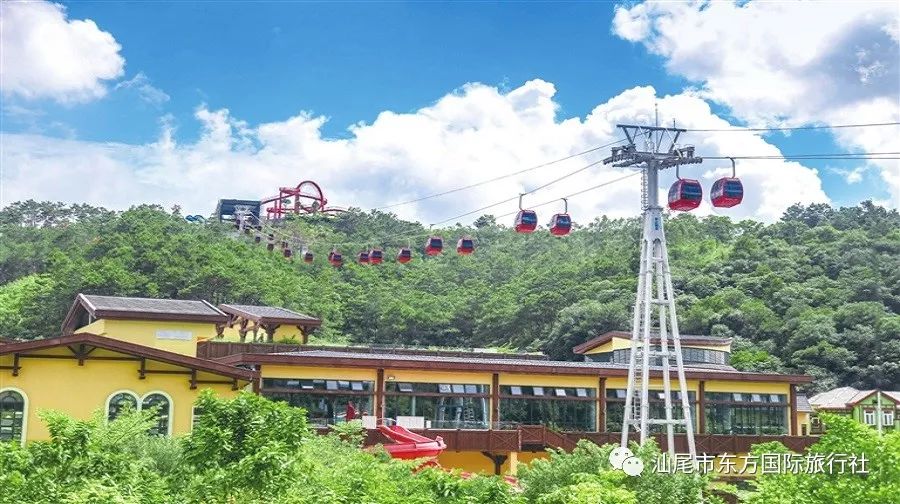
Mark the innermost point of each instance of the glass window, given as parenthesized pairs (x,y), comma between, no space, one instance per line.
(357,386)
(581,392)
(306,384)
(564,414)
(869,417)
(471,389)
(163,411)
(560,392)
(514,390)
(538,391)
(756,397)
(325,409)
(444,388)
(343,385)
(445,412)
(888,418)
(404,387)
(331,385)
(119,403)
(12,416)
(459,389)
(737,397)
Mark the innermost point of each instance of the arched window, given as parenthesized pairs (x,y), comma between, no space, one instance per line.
(163,406)
(119,402)
(12,416)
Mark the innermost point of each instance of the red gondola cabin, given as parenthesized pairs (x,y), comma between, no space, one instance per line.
(526,221)
(404,256)
(465,246)
(685,194)
(561,224)
(308,257)
(362,257)
(335,258)
(434,245)
(376,256)
(288,253)
(727,192)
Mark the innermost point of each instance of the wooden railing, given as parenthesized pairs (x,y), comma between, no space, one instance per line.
(538,437)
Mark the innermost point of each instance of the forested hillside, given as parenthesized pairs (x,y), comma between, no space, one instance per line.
(817,292)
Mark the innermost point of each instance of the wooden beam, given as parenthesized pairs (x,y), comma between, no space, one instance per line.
(193,379)
(170,371)
(16,366)
(701,407)
(601,405)
(498,461)
(304,337)
(495,400)
(379,396)
(793,430)
(142,372)
(216,382)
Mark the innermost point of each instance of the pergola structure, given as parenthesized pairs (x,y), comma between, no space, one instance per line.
(252,318)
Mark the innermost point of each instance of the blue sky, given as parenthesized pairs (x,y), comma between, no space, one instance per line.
(349,62)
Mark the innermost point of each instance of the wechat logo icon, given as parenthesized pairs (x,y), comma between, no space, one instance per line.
(624,459)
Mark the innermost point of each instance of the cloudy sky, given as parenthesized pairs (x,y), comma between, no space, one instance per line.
(115,104)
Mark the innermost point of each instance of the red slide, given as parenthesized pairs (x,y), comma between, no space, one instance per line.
(409,445)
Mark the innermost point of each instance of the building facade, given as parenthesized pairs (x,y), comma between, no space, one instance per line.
(493,410)
(879,409)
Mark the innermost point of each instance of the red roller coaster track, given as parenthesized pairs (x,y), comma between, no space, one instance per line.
(307,197)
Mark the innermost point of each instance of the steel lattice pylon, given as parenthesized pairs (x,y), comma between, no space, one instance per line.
(655,339)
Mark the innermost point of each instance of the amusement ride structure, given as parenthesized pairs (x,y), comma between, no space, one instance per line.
(655,338)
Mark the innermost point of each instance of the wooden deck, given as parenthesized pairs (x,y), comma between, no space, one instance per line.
(539,438)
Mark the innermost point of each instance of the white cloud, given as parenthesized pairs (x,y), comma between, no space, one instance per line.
(473,134)
(46,55)
(785,63)
(147,92)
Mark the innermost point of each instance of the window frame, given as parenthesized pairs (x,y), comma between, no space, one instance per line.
(135,395)
(25,405)
(866,413)
(171,412)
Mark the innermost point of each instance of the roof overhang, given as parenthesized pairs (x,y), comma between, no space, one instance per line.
(83,305)
(300,320)
(540,367)
(24,348)
(609,335)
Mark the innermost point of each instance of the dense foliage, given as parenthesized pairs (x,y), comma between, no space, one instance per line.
(845,436)
(817,292)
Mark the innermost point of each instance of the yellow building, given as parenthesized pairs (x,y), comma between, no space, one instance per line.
(82,373)
(493,410)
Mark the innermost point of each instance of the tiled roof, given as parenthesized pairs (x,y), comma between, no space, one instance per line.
(116,307)
(893,394)
(803,405)
(834,399)
(331,358)
(151,305)
(489,361)
(273,313)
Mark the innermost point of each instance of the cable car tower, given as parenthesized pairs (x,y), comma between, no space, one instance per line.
(655,341)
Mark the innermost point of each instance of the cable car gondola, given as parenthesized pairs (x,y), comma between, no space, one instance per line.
(270,245)
(434,245)
(561,223)
(376,256)
(526,220)
(685,194)
(362,257)
(727,191)
(288,253)
(465,246)
(335,258)
(404,255)
(257,238)
(308,257)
